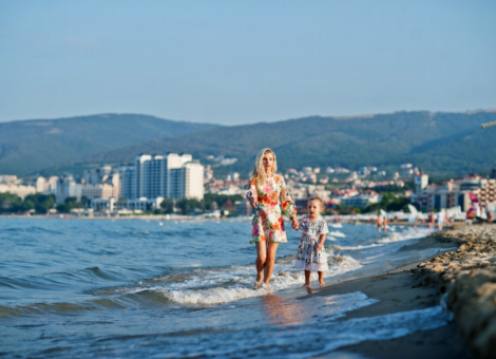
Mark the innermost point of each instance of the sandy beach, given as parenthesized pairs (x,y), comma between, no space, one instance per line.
(465,280)
(399,291)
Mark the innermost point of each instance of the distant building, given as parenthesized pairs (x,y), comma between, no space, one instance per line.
(13,185)
(162,176)
(456,194)
(187,182)
(421,182)
(360,201)
(67,187)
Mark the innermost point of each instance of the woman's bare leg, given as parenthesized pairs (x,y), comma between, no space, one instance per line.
(271,260)
(261,260)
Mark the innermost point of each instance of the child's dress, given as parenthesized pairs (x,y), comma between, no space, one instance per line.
(308,258)
(273,203)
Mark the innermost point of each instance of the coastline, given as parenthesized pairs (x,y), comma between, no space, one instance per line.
(464,279)
(396,291)
(467,277)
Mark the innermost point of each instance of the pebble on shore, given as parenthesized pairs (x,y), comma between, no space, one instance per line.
(468,276)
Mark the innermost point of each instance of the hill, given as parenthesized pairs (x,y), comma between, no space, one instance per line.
(441,143)
(31,146)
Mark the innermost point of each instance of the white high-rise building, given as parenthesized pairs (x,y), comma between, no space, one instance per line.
(172,176)
(187,181)
(194,172)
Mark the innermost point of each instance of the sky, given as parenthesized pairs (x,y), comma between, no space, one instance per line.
(234,62)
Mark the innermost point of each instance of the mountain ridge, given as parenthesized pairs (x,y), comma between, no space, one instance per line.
(442,142)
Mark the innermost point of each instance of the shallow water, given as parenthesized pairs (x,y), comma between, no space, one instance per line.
(135,288)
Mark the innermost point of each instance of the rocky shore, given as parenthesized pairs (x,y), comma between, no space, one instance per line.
(467,276)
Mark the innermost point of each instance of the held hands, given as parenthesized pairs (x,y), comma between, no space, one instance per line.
(320,245)
(294,223)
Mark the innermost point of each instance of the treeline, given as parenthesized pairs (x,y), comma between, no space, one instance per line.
(37,203)
(41,203)
(390,202)
(209,203)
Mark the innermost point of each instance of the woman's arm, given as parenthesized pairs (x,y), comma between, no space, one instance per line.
(287,205)
(252,194)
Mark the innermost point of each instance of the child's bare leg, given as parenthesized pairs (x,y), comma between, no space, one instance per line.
(321,279)
(261,261)
(270,262)
(307,278)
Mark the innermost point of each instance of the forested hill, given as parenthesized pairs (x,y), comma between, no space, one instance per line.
(31,146)
(441,143)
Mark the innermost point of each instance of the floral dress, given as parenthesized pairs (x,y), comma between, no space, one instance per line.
(308,258)
(273,203)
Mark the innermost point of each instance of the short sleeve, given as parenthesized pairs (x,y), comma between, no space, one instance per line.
(282,182)
(252,190)
(323,227)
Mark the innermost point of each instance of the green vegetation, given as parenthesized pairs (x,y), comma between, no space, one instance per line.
(210,202)
(57,145)
(71,203)
(389,202)
(442,144)
(37,203)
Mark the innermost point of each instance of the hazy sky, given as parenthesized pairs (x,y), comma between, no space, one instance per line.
(236,62)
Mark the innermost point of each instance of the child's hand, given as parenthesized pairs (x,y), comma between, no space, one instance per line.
(295,224)
(320,246)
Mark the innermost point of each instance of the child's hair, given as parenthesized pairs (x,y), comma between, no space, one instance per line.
(258,171)
(318,199)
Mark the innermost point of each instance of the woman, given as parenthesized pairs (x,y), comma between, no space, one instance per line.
(269,198)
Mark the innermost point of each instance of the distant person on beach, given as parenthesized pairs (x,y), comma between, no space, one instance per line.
(432,219)
(311,255)
(489,215)
(268,196)
(378,220)
(381,221)
(440,220)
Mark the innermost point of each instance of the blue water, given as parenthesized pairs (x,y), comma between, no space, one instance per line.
(137,288)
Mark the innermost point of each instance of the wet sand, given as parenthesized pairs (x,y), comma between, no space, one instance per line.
(399,291)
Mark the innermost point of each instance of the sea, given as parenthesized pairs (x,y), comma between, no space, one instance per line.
(134,288)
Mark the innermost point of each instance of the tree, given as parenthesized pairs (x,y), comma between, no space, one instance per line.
(167,206)
(189,205)
(69,204)
(41,203)
(10,203)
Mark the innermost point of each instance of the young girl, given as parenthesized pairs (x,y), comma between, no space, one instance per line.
(312,255)
(268,197)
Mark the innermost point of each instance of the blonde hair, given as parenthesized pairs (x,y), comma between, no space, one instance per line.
(318,199)
(259,171)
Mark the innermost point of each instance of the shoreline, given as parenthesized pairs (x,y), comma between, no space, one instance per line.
(396,291)
(464,279)
(467,277)
(196,218)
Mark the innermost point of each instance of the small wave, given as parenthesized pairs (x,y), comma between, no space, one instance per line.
(206,287)
(406,235)
(99,273)
(337,234)
(31,230)
(359,247)
(30,282)
(60,308)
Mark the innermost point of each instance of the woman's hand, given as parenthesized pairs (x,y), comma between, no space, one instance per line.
(295,224)
(253,203)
